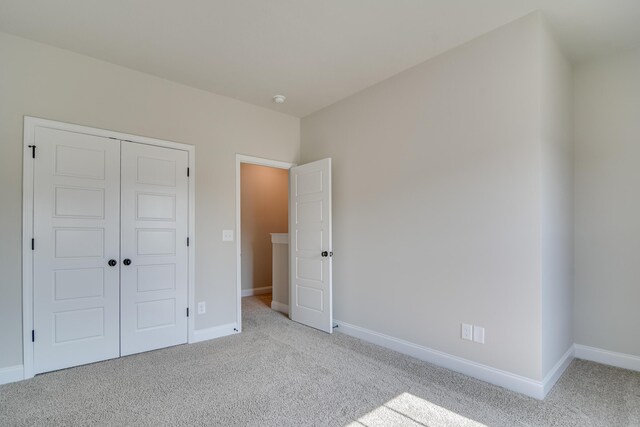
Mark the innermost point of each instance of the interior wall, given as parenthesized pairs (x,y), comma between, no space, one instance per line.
(437,214)
(42,81)
(556,112)
(607,202)
(264,209)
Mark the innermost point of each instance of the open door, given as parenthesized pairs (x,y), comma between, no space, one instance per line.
(310,247)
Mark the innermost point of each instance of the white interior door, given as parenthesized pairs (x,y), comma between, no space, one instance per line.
(310,244)
(76,234)
(153,247)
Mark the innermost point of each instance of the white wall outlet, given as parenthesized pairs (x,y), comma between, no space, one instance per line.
(467,332)
(478,334)
(202,307)
(227,235)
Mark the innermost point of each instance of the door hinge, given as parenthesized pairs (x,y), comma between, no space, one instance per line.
(33,151)
(187,311)
(33,335)
(33,244)
(187,241)
(187,171)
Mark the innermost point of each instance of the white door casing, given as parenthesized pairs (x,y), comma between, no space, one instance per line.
(310,253)
(154,233)
(76,215)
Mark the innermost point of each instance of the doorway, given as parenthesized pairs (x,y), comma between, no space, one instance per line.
(309,241)
(262,214)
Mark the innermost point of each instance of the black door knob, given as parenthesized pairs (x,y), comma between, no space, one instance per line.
(112,262)
(324,253)
(126,261)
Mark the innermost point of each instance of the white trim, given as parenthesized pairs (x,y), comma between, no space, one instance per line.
(556,372)
(51,124)
(486,373)
(612,358)
(191,232)
(27,253)
(30,124)
(280,238)
(241,158)
(212,333)
(278,306)
(11,374)
(256,291)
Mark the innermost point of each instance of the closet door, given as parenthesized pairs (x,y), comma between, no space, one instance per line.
(76,249)
(154,197)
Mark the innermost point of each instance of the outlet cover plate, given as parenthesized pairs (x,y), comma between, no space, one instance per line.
(202,307)
(467,332)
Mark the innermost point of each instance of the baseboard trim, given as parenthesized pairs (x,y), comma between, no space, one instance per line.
(213,333)
(606,357)
(11,374)
(514,382)
(256,291)
(556,372)
(278,306)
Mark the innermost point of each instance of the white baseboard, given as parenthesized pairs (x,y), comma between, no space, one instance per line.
(517,383)
(556,372)
(256,291)
(278,306)
(11,374)
(620,360)
(215,332)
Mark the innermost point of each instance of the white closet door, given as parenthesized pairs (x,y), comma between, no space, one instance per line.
(76,230)
(154,199)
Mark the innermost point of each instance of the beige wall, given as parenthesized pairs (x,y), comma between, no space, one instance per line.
(42,81)
(607,202)
(264,193)
(437,202)
(556,109)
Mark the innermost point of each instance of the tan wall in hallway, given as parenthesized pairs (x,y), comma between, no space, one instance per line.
(264,193)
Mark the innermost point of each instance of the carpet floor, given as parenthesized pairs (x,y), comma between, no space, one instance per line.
(279,373)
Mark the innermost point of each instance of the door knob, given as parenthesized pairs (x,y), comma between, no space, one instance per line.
(126,261)
(326,254)
(112,262)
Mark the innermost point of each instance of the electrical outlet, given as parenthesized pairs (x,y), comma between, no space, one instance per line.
(227,235)
(202,307)
(478,334)
(467,332)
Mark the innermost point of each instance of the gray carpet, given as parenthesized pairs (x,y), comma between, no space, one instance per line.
(278,373)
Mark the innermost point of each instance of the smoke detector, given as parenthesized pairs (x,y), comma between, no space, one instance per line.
(279,99)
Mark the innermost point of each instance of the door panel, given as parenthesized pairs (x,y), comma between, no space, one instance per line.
(76,231)
(310,236)
(154,237)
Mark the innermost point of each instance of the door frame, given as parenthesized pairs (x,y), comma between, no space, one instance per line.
(241,158)
(30,125)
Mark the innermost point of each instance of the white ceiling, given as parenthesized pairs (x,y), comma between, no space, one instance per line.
(315,52)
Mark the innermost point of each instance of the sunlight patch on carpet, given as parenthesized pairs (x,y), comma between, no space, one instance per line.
(409,410)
